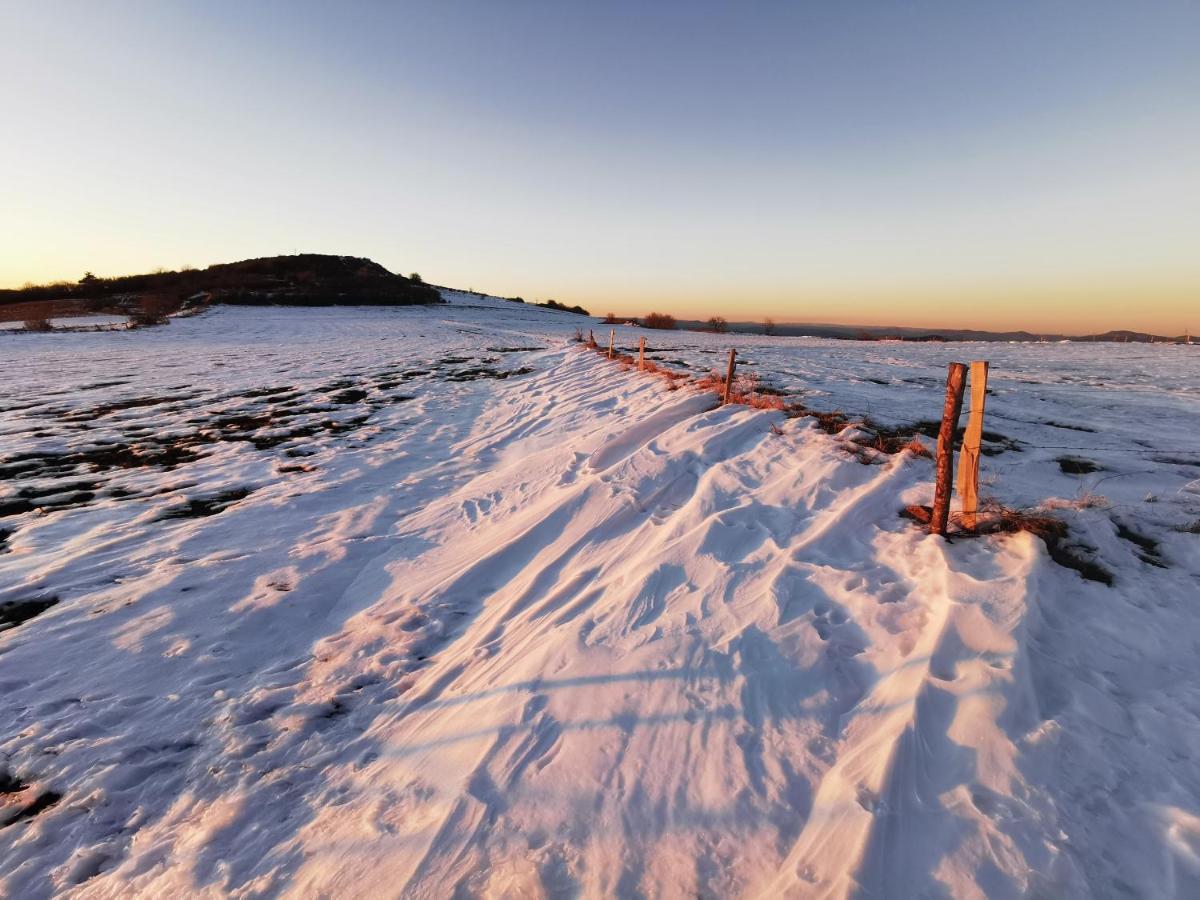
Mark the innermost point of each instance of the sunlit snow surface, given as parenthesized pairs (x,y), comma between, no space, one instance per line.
(381,602)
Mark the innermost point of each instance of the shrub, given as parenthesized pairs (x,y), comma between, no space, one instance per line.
(37,316)
(151,310)
(562,307)
(611,319)
(662,321)
(718,324)
(768,326)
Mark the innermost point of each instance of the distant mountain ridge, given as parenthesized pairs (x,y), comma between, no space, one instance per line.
(906,333)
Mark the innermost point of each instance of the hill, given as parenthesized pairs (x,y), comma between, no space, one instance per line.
(305,279)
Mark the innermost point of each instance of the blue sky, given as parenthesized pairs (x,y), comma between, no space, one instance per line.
(995,165)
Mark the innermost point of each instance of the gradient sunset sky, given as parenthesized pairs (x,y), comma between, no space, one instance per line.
(994,165)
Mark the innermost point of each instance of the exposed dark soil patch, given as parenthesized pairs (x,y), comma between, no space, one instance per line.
(1076,465)
(166,453)
(42,802)
(478,372)
(834,422)
(32,493)
(393,398)
(1053,532)
(5,534)
(993,443)
(270,439)
(14,506)
(18,612)
(21,407)
(1177,461)
(1148,547)
(47,502)
(10,784)
(335,427)
(200,507)
(95,412)
(263,392)
(353,395)
(513,349)
(102,384)
(1067,427)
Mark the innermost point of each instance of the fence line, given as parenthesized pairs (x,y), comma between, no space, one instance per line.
(889,439)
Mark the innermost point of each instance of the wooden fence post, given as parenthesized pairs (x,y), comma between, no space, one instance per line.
(729,377)
(591,338)
(641,354)
(951,409)
(612,342)
(968,460)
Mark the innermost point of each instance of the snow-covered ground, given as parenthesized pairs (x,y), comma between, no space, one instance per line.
(429,602)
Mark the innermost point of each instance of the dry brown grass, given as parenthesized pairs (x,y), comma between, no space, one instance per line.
(995,518)
(745,391)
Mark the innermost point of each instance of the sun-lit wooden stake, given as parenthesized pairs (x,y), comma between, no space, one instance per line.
(591,338)
(729,377)
(641,353)
(951,409)
(968,460)
(612,342)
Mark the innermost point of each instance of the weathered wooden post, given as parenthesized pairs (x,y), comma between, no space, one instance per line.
(612,342)
(641,354)
(729,377)
(968,461)
(591,338)
(945,448)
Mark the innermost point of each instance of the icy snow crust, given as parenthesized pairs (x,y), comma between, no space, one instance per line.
(426,602)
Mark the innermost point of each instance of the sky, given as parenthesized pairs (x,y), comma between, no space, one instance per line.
(937,164)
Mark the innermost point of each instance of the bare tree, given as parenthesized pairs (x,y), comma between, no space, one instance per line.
(718,324)
(768,325)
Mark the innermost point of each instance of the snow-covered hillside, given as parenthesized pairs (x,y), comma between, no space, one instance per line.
(430,602)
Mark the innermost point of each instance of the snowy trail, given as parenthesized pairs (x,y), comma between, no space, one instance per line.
(573,633)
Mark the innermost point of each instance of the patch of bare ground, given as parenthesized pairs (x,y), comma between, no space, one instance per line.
(18,612)
(19,801)
(994,518)
(211,505)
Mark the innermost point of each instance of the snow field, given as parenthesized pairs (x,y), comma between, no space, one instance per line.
(560,633)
